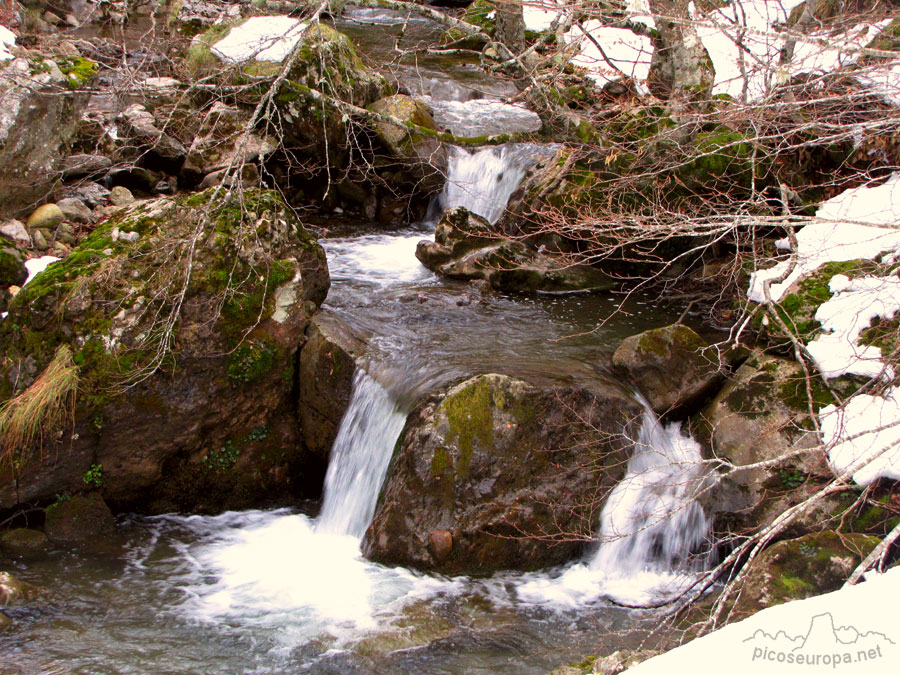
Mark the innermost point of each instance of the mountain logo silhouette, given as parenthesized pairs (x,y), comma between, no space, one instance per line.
(823,643)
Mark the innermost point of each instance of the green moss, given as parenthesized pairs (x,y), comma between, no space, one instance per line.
(470,415)
(251,360)
(793,587)
(78,71)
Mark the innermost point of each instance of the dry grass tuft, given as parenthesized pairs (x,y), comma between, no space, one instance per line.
(40,409)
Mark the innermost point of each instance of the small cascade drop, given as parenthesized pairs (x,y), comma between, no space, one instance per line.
(651,520)
(360,458)
(483,181)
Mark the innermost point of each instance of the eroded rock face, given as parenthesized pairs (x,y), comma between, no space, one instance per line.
(672,366)
(496,473)
(465,247)
(183,317)
(759,416)
(327,366)
(801,568)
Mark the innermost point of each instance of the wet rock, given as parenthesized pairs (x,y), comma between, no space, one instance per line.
(23,542)
(465,248)
(79,520)
(92,194)
(5,622)
(758,416)
(46,217)
(81,165)
(672,366)
(801,568)
(12,590)
(15,232)
(458,468)
(328,363)
(213,423)
(75,210)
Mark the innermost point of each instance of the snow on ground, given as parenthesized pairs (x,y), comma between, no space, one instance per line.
(263,38)
(35,266)
(884,82)
(849,631)
(623,52)
(858,223)
(7,39)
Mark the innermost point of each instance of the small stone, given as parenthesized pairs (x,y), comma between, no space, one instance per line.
(15,231)
(60,250)
(75,210)
(5,622)
(441,544)
(47,216)
(65,234)
(76,166)
(81,519)
(92,194)
(39,240)
(24,542)
(130,237)
(121,196)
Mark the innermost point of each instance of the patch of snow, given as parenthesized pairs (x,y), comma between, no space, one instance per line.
(867,428)
(884,82)
(846,228)
(263,38)
(7,39)
(854,304)
(37,265)
(623,52)
(847,622)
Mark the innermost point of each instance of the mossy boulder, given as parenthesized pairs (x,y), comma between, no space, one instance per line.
(495,473)
(23,542)
(83,518)
(759,415)
(326,61)
(672,366)
(12,268)
(328,364)
(801,568)
(465,247)
(184,316)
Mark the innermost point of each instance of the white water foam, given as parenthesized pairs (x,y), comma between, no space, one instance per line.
(377,259)
(483,180)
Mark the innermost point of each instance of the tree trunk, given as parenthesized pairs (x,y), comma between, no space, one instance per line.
(680,68)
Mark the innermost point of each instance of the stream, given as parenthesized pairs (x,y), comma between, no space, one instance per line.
(287,590)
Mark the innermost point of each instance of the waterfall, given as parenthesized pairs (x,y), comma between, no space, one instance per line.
(483,180)
(651,520)
(360,458)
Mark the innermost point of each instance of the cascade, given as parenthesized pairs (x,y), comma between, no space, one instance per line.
(359,458)
(483,180)
(651,519)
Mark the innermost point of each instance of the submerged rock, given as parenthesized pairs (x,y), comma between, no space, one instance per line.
(79,520)
(458,497)
(465,247)
(23,542)
(12,590)
(182,317)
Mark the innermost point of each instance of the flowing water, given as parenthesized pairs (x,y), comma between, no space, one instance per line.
(288,591)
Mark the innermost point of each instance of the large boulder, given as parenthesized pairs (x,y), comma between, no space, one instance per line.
(465,247)
(760,419)
(801,568)
(325,61)
(495,473)
(79,520)
(40,102)
(672,366)
(328,363)
(181,318)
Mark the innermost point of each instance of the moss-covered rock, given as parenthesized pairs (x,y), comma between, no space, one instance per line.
(466,248)
(184,316)
(23,542)
(79,520)
(12,268)
(495,473)
(672,366)
(328,364)
(801,568)
(758,416)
